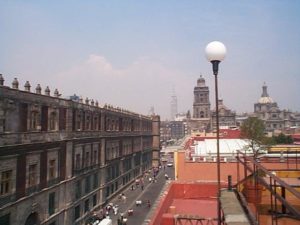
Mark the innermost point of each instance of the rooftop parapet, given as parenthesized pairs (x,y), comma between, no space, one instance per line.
(87,101)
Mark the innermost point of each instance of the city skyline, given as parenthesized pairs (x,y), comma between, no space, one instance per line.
(130,54)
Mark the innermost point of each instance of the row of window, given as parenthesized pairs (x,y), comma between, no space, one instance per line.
(86,159)
(113,123)
(90,182)
(7,177)
(43,118)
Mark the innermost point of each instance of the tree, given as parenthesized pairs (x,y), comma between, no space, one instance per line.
(283,139)
(253,130)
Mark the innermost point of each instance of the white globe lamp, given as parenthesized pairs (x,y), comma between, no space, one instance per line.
(215,52)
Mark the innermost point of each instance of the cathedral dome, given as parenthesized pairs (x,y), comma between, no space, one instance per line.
(265,100)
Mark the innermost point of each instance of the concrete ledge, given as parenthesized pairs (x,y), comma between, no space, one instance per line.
(232,209)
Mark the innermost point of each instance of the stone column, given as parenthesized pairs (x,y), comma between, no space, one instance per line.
(155,140)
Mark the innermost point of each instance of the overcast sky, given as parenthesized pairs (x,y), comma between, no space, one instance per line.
(132,54)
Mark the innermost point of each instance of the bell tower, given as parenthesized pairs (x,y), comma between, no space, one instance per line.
(201,105)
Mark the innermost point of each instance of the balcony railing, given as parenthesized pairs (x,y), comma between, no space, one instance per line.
(9,138)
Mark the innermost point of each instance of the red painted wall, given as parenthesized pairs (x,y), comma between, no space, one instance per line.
(207,171)
(181,191)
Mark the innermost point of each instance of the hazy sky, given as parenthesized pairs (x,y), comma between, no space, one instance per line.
(132,54)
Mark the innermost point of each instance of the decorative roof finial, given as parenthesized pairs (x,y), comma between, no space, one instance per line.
(38,89)
(47,91)
(27,86)
(56,93)
(15,84)
(1,80)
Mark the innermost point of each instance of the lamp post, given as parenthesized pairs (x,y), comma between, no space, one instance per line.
(215,53)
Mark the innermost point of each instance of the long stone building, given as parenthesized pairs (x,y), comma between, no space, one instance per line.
(62,158)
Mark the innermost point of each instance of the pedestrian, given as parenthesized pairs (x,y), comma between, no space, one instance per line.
(150,179)
(148,203)
(142,186)
(115,209)
(132,187)
(166,176)
(124,198)
(119,221)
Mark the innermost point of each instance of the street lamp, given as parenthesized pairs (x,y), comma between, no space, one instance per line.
(215,52)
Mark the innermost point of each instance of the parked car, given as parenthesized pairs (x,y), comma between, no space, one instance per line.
(170,164)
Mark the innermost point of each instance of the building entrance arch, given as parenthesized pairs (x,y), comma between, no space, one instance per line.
(33,219)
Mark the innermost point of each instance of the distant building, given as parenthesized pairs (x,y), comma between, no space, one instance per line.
(274,118)
(172,130)
(227,118)
(174,109)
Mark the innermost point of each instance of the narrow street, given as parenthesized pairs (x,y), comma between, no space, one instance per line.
(151,192)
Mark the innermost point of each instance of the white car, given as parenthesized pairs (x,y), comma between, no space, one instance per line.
(170,164)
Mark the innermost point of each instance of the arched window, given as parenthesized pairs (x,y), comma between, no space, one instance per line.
(201,114)
(33,219)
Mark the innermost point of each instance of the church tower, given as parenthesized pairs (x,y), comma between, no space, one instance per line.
(201,106)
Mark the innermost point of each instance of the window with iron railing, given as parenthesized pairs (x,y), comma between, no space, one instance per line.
(32,175)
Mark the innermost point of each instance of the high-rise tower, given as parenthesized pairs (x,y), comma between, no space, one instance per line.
(174,110)
(201,106)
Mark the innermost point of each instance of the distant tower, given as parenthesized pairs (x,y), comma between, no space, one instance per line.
(151,111)
(173,105)
(201,106)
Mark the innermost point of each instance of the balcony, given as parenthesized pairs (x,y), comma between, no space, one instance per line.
(11,138)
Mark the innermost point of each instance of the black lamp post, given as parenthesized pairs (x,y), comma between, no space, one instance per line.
(215,53)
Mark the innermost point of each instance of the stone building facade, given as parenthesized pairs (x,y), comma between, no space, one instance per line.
(60,159)
(204,119)
(227,117)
